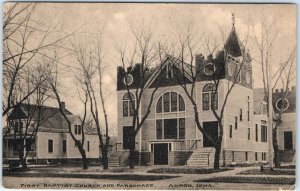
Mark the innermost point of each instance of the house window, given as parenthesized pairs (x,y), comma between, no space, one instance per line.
(128,105)
(209,97)
(241,115)
(232,156)
(230,131)
(256,132)
(246,156)
(77,142)
(158,129)
(50,146)
(236,122)
(263,156)
(255,156)
(248,111)
(79,129)
(249,135)
(64,146)
(264,134)
(88,146)
(75,130)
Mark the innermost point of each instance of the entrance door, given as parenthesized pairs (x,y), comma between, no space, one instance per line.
(127,135)
(211,128)
(288,140)
(161,153)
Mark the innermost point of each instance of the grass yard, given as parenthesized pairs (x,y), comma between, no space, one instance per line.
(253,180)
(170,170)
(269,172)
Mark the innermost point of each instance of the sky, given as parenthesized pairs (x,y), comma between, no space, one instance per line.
(168,20)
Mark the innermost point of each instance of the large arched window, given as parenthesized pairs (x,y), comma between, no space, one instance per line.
(209,97)
(128,105)
(170,127)
(170,102)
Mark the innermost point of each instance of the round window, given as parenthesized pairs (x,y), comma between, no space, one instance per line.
(209,69)
(282,104)
(128,79)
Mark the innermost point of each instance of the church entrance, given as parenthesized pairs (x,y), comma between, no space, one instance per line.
(161,154)
(128,132)
(211,128)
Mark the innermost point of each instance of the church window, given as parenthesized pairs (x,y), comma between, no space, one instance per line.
(209,97)
(170,127)
(158,129)
(159,106)
(128,105)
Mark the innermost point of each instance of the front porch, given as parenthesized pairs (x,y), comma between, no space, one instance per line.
(10,149)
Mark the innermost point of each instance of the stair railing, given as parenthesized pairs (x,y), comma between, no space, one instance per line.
(114,146)
(208,155)
(121,155)
(191,148)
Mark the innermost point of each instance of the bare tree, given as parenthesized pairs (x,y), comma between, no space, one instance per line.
(24,121)
(89,55)
(146,53)
(78,143)
(265,41)
(192,72)
(26,38)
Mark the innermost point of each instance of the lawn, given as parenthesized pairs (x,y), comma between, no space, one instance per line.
(136,177)
(269,172)
(170,170)
(253,180)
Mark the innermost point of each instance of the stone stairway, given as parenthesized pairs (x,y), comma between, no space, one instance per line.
(118,158)
(203,157)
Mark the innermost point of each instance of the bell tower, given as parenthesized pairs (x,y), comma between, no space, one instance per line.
(237,58)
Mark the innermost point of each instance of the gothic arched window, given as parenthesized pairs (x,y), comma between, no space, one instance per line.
(128,105)
(170,102)
(170,127)
(209,97)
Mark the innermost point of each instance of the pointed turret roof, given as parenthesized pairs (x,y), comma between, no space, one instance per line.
(233,45)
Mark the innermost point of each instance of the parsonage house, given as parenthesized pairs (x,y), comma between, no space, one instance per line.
(169,135)
(53,142)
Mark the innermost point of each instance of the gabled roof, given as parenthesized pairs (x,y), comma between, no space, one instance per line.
(183,67)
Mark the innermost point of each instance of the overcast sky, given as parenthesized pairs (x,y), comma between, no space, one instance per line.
(168,19)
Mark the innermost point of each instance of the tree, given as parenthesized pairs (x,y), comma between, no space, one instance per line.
(187,46)
(89,55)
(26,39)
(26,118)
(265,41)
(78,143)
(146,53)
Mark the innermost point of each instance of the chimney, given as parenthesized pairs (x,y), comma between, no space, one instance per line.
(281,90)
(276,90)
(63,105)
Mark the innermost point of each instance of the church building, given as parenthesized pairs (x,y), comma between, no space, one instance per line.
(169,136)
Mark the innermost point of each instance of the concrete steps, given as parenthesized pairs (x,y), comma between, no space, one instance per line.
(202,157)
(118,158)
